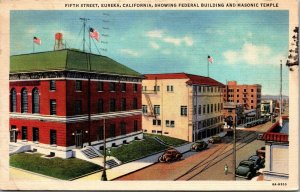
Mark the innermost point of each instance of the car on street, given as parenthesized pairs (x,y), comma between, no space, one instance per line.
(215,139)
(199,146)
(258,161)
(246,169)
(170,155)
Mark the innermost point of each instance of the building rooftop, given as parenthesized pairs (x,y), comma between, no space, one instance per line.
(68,59)
(191,79)
(278,133)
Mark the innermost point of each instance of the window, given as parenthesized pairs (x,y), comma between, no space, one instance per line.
(245,90)
(195,110)
(207,108)
(218,106)
(100,106)
(199,109)
(24,133)
(221,106)
(170,88)
(123,87)
(211,107)
(123,104)
(251,95)
(78,85)
(238,101)
(78,108)
(52,137)
(199,124)
(167,123)
(158,122)
(35,101)
(251,101)
(100,133)
(13,100)
(134,103)
(135,87)
(144,88)
(156,88)
(35,134)
(237,90)
(52,107)
(123,128)
(251,90)
(199,89)
(238,95)
(52,85)
(183,110)
(100,86)
(112,86)
(145,109)
(24,101)
(215,107)
(112,130)
(204,107)
(157,109)
(172,123)
(112,105)
(154,121)
(135,125)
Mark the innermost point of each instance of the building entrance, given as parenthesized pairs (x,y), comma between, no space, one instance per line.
(78,139)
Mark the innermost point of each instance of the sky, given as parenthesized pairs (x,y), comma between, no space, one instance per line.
(246,46)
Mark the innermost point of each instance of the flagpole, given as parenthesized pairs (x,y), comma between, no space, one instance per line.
(207,66)
(33,46)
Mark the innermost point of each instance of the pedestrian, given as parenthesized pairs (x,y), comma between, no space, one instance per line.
(226,169)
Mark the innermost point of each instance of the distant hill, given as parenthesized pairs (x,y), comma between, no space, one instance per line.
(273,97)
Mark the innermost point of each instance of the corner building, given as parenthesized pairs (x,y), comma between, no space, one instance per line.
(65,100)
(182,105)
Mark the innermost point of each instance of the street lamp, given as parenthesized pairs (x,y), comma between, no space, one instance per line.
(104,177)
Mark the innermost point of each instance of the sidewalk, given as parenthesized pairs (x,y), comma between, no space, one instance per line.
(136,165)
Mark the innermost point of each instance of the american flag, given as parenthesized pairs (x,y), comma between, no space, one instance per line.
(94,34)
(210,59)
(37,40)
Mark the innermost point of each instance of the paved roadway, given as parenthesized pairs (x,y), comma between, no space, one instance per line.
(208,164)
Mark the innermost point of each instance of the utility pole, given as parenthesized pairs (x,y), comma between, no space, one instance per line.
(280,105)
(234,147)
(84,27)
(104,177)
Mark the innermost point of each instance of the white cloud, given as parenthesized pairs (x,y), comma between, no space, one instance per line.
(155,33)
(253,55)
(130,52)
(188,41)
(154,45)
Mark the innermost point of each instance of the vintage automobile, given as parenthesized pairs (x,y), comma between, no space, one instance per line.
(170,155)
(258,161)
(199,146)
(246,169)
(215,139)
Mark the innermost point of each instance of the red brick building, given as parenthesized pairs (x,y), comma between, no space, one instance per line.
(59,101)
(249,96)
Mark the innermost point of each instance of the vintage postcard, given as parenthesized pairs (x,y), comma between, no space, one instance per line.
(149,95)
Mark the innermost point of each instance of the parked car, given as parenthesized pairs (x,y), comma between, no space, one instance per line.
(261,152)
(246,169)
(248,125)
(170,155)
(199,146)
(215,139)
(258,161)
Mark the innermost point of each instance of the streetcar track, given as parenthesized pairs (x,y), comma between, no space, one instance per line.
(208,164)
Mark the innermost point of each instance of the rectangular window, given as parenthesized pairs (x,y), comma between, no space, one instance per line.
(183,110)
(123,87)
(237,90)
(156,88)
(52,137)
(134,103)
(211,108)
(200,89)
(78,85)
(52,85)
(112,130)
(245,90)
(112,105)
(77,107)
(167,123)
(207,108)
(123,128)
(100,86)
(170,88)
(112,86)
(100,133)
(204,107)
(172,124)
(100,106)
(145,109)
(158,122)
(218,106)
(251,90)
(135,87)
(35,134)
(123,104)
(195,110)
(157,109)
(24,133)
(154,122)
(199,109)
(215,107)
(52,107)
(135,125)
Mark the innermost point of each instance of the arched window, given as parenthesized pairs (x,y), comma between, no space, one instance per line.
(35,101)
(24,100)
(13,100)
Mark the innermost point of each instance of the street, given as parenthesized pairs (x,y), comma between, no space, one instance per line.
(208,164)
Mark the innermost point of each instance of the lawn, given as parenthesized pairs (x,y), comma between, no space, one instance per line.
(169,140)
(137,149)
(56,167)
